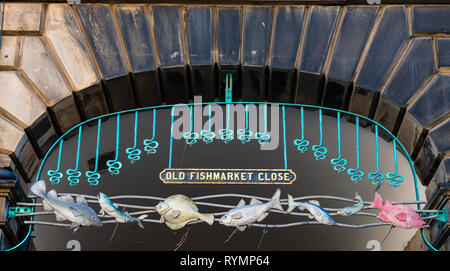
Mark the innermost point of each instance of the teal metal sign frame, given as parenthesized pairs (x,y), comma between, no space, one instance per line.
(301,144)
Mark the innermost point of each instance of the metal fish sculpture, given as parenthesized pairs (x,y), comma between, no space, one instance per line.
(178,210)
(314,208)
(350,210)
(243,215)
(111,209)
(398,215)
(79,213)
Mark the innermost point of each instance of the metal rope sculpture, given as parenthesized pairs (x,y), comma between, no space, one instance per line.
(236,216)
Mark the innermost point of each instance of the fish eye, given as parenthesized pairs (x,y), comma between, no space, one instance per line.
(94,217)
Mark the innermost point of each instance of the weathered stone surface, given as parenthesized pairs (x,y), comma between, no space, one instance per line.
(22,104)
(427,161)
(415,67)
(416,243)
(65,38)
(319,34)
(40,68)
(443,49)
(15,145)
(41,135)
(11,135)
(287,33)
(9,53)
(135,29)
(65,114)
(203,83)
(441,136)
(257,31)
(23,18)
(282,85)
(136,33)
(169,35)
(120,94)
(200,38)
(442,175)
(336,94)
(430,19)
(411,134)
(102,34)
(98,23)
(253,83)
(174,85)
(147,88)
(169,42)
(434,102)
(354,32)
(91,102)
(391,36)
(389,115)
(229,20)
(363,102)
(200,35)
(6,162)
(309,88)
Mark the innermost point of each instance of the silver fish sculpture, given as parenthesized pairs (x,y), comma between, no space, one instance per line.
(111,209)
(350,210)
(313,207)
(79,213)
(243,215)
(178,210)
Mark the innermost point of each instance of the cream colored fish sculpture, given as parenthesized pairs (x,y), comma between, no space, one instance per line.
(178,210)
(243,215)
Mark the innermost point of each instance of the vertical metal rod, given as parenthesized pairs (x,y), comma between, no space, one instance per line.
(284,138)
(55,176)
(114,165)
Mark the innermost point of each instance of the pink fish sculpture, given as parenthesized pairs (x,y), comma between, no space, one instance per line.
(398,215)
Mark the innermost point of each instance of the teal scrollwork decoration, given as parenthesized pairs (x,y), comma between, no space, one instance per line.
(114,166)
(302,144)
(191,136)
(394,178)
(74,174)
(151,144)
(245,134)
(226,134)
(355,173)
(376,177)
(339,162)
(319,150)
(207,135)
(264,137)
(92,175)
(54,175)
(134,154)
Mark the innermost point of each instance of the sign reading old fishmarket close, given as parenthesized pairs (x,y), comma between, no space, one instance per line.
(227,176)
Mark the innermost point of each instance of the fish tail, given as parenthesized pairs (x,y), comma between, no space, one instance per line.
(377,202)
(39,188)
(291,204)
(207,218)
(276,200)
(139,221)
